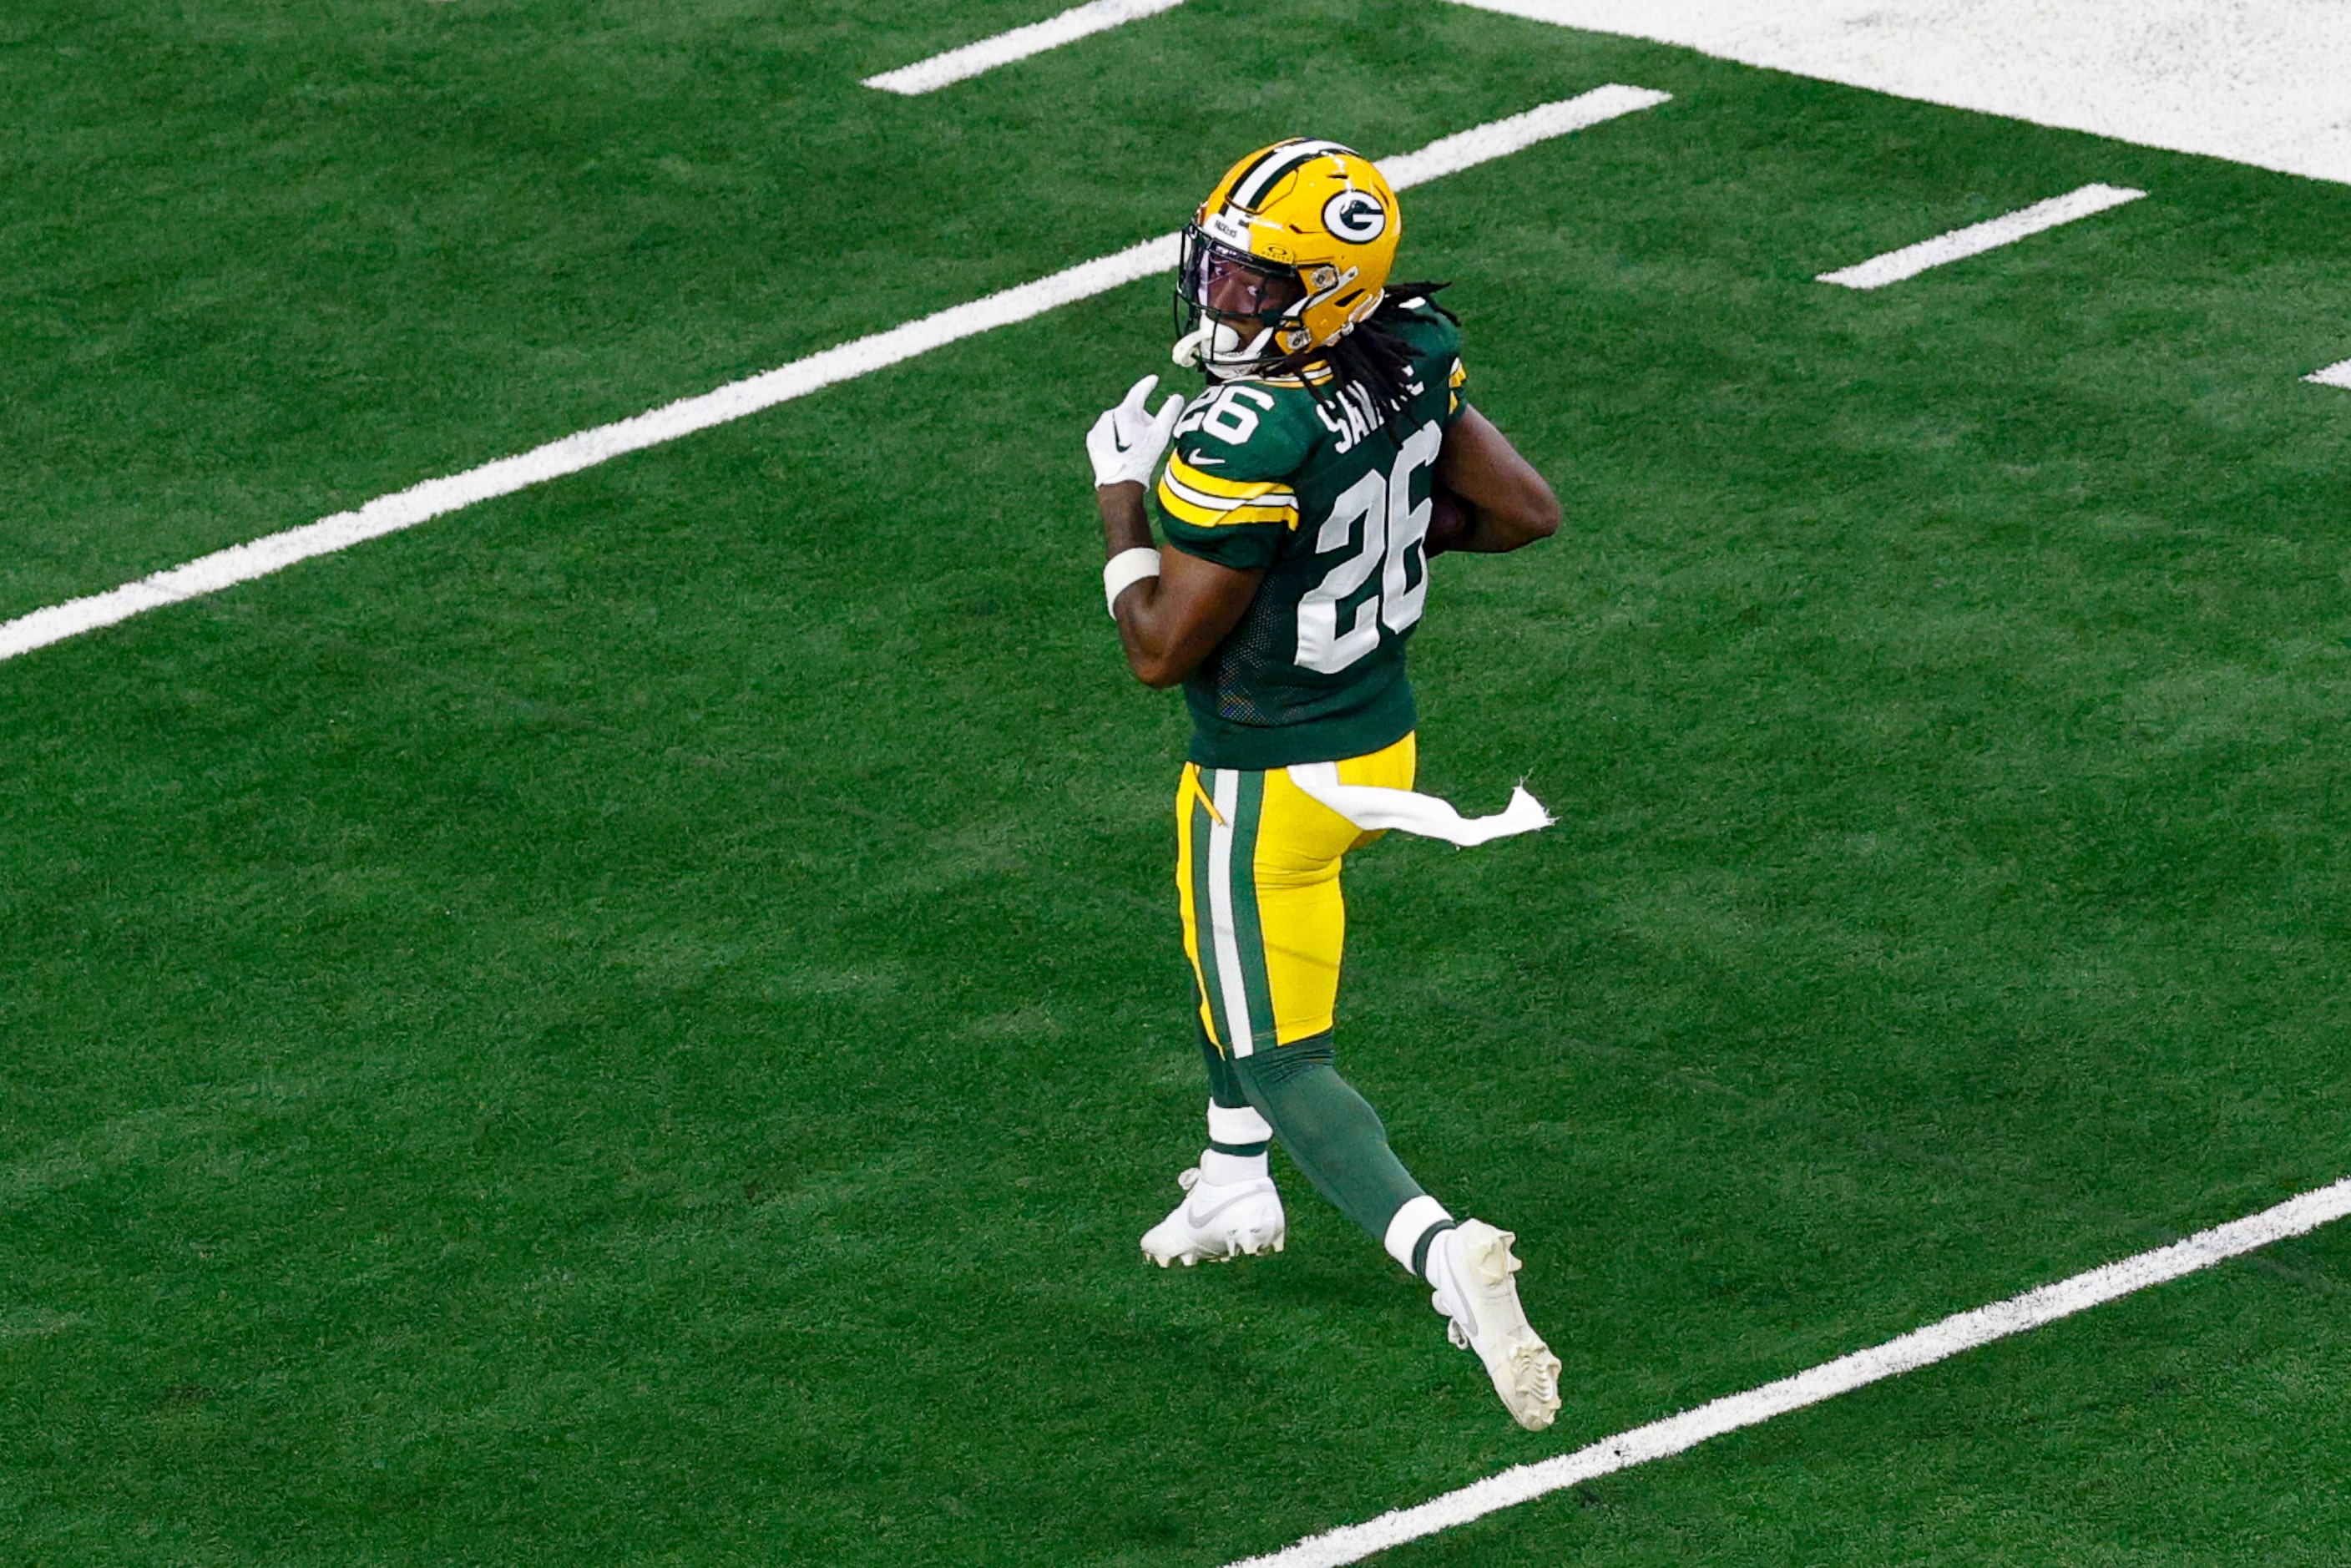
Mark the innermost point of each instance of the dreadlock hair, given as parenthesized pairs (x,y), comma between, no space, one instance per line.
(1372,357)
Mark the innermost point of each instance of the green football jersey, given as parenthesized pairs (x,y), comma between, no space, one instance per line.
(1331,503)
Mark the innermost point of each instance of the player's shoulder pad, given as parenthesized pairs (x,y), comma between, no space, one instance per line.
(1254,428)
(1429,331)
(1236,449)
(1433,338)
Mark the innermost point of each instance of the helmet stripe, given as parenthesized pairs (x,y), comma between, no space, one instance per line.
(1253,164)
(1252,187)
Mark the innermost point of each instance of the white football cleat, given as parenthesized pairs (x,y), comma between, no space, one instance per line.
(1471,1266)
(1219,1222)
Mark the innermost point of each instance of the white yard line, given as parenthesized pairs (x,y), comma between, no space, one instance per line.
(1923,1347)
(1976,238)
(939,71)
(2336,375)
(435,497)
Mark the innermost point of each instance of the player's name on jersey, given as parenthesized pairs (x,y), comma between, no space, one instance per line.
(1352,414)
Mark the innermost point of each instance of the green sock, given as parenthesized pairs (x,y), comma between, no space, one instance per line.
(1332,1134)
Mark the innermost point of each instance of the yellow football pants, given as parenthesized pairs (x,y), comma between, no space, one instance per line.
(1256,873)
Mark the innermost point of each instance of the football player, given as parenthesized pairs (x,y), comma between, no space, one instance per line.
(1332,454)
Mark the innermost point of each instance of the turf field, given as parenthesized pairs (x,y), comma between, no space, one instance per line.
(640,1022)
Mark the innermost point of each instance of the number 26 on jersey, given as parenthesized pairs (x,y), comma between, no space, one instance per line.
(1393,528)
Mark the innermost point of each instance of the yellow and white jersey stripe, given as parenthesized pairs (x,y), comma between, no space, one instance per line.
(1208,501)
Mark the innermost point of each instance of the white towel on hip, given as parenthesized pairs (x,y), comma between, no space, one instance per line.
(1372,807)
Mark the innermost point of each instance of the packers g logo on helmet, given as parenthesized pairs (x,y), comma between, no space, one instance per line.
(1290,251)
(1355,215)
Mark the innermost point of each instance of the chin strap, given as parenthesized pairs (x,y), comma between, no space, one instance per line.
(1187,348)
(1199,349)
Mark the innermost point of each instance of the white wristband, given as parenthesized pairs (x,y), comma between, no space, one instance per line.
(1126,569)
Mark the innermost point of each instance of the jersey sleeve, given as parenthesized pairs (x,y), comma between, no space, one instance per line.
(1435,344)
(1455,398)
(1225,495)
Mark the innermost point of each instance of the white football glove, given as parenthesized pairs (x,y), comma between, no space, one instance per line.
(1126,442)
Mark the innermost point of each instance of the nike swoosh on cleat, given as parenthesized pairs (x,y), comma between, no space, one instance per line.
(1201,1219)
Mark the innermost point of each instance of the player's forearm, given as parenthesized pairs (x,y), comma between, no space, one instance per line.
(1168,624)
(1508,501)
(1126,525)
(1495,530)
(1141,631)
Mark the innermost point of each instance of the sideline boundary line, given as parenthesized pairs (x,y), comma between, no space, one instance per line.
(1976,238)
(433,498)
(956,65)
(1918,1348)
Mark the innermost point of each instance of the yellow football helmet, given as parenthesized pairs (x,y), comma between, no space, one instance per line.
(1289,253)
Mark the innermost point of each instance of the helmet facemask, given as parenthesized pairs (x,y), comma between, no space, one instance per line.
(1236,312)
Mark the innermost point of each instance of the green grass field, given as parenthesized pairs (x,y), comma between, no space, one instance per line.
(640,1022)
